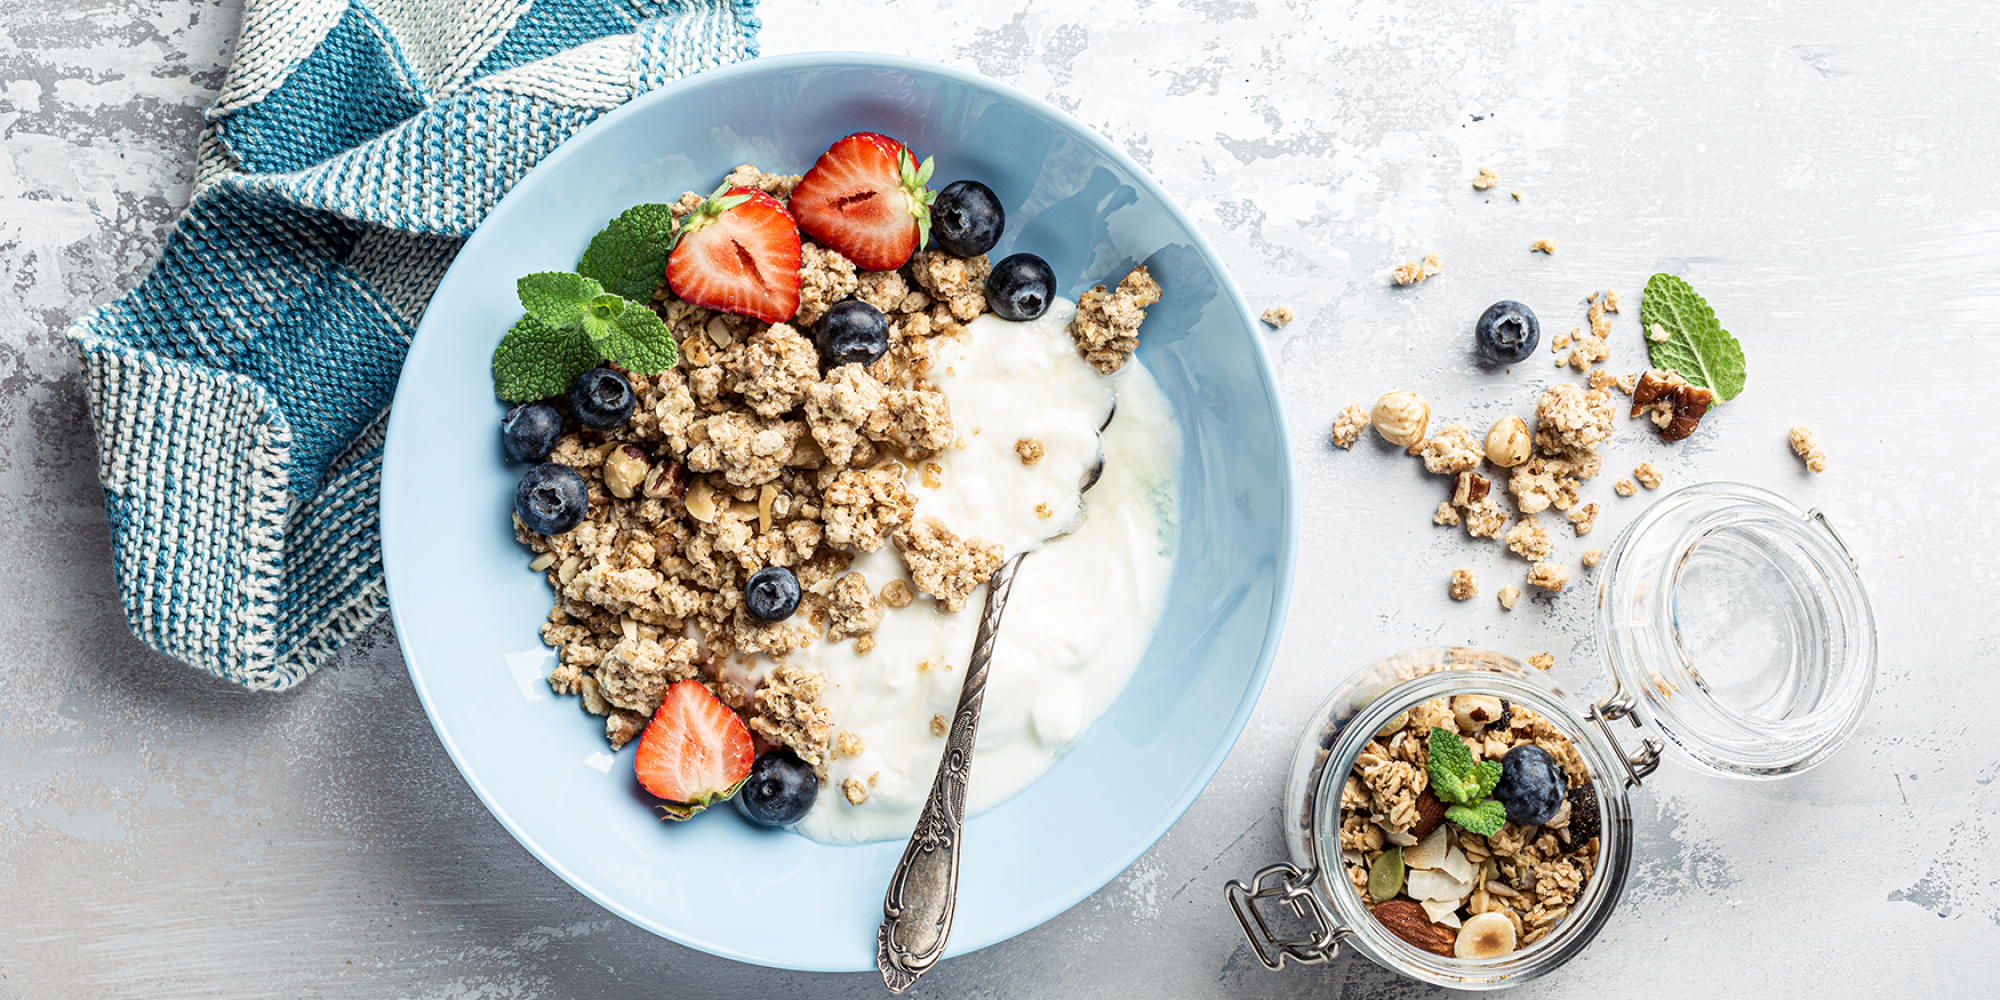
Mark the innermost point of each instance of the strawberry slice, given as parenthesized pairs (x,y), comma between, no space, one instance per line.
(738,252)
(865,197)
(695,752)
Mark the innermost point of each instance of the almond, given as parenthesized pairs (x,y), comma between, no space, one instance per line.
(1430,812)
(1406,919)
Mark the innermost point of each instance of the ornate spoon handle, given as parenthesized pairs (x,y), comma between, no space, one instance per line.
(916,913)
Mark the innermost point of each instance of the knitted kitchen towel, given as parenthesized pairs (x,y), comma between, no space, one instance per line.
(240,392)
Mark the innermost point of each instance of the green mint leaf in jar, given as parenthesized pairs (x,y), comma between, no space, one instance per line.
(1484,819)
(1451,766)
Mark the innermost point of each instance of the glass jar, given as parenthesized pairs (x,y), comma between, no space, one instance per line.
(1735,629)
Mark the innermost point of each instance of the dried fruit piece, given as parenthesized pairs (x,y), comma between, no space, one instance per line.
(1585,821)
(1406,919)
(1385,876)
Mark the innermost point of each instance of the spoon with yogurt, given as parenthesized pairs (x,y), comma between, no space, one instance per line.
(918,908)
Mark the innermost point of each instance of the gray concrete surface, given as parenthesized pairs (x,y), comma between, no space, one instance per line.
(1824,173)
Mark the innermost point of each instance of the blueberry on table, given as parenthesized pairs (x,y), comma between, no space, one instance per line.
(772,594)
(1532,785)
(1021,287)
(529,431)
(1507,332)
(851,332)
(967,218)
(602,398)
(551,498)
(780,789)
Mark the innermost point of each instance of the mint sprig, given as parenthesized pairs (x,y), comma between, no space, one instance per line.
(1465,784)
(1696,345)
(629,257)
(573,322)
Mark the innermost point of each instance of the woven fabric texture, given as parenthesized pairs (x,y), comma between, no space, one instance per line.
(240,392)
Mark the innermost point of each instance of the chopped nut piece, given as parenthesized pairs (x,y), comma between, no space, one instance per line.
(1548,576)
(1517,194)
(1657,334)
(1583,518)
(1624,487)
(1691,403)
(1401,417)
(1029,449)
(1542,661)
(1529,540)
(625,470)
(1591,557)
(1348,426)
(1106,326)
(1544,246)
(854,790)
(1411,272)
(1806,448)
(1486,179)
(1647,476)
(1470,488)
(1278,316)
(1610,301)
(1508,443)
(1508,595)
(897,594)
(1463,586)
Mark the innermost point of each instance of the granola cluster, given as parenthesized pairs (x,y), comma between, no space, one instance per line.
(1531,875)
(745,456)
(1106,327)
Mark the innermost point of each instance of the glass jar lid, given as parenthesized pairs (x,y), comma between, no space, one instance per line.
(1735,623)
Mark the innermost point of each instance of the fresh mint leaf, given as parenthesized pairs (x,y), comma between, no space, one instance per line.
(1450,767)
(1696,345)
(1485,778)
(632,337)
(629,256)
(1485,819)
(557,298)
(535,360)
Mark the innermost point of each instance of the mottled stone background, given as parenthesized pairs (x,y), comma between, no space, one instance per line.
(1823,172)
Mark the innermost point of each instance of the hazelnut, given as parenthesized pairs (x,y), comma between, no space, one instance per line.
(1472,711)
(668,479)
(624,469)
(1508,444)
(1401,417)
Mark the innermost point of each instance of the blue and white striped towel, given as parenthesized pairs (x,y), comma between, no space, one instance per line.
(241,391)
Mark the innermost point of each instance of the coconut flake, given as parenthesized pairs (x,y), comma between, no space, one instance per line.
(1400,838)
(1456,864)
(1442,911)
(1430,852)
(1425,884)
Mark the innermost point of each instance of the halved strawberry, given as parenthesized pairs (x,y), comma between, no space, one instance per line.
(865,197)
(738,252)
(694,753)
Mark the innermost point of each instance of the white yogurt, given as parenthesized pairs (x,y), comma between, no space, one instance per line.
(1083,606)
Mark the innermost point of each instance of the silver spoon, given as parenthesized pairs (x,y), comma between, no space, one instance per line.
(923,893)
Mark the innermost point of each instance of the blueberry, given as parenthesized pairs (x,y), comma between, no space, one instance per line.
(967,218)
(1531,786)
(852,332)
(1020,287)
(1507,332)
(772,594)
(551,498)
(529,431)
(780,789)
(602,398)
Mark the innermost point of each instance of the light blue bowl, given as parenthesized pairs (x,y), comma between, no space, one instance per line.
(467,609)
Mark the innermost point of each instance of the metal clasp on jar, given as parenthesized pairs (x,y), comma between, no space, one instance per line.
(1637,765)
(1294,886)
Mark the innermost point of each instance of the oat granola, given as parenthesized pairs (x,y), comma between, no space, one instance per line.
(1807,449)
(1463,586)
(1348,426)
(1106,325)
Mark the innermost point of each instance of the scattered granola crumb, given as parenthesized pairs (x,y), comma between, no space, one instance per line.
(938,725)
(1560,340)
(1106,325)
(848,744)
(1529,540)
(1508,595)
(1486,179)
(1544,246)
(1446,516)
(1517,194)
(1463,587)
(1610,301)
(1665,687)
(1278,316)
(1548,576)
(1411,272)
(1583,518)
(1806,448)
(1625,487)
(1592,556)
(1042,511)
(852,609)
(1029,449)
(933,475)
(1348,426)
(897,594)
(1542,661)
(1452,451)
(855,791)
(1647,476)
(863,645)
